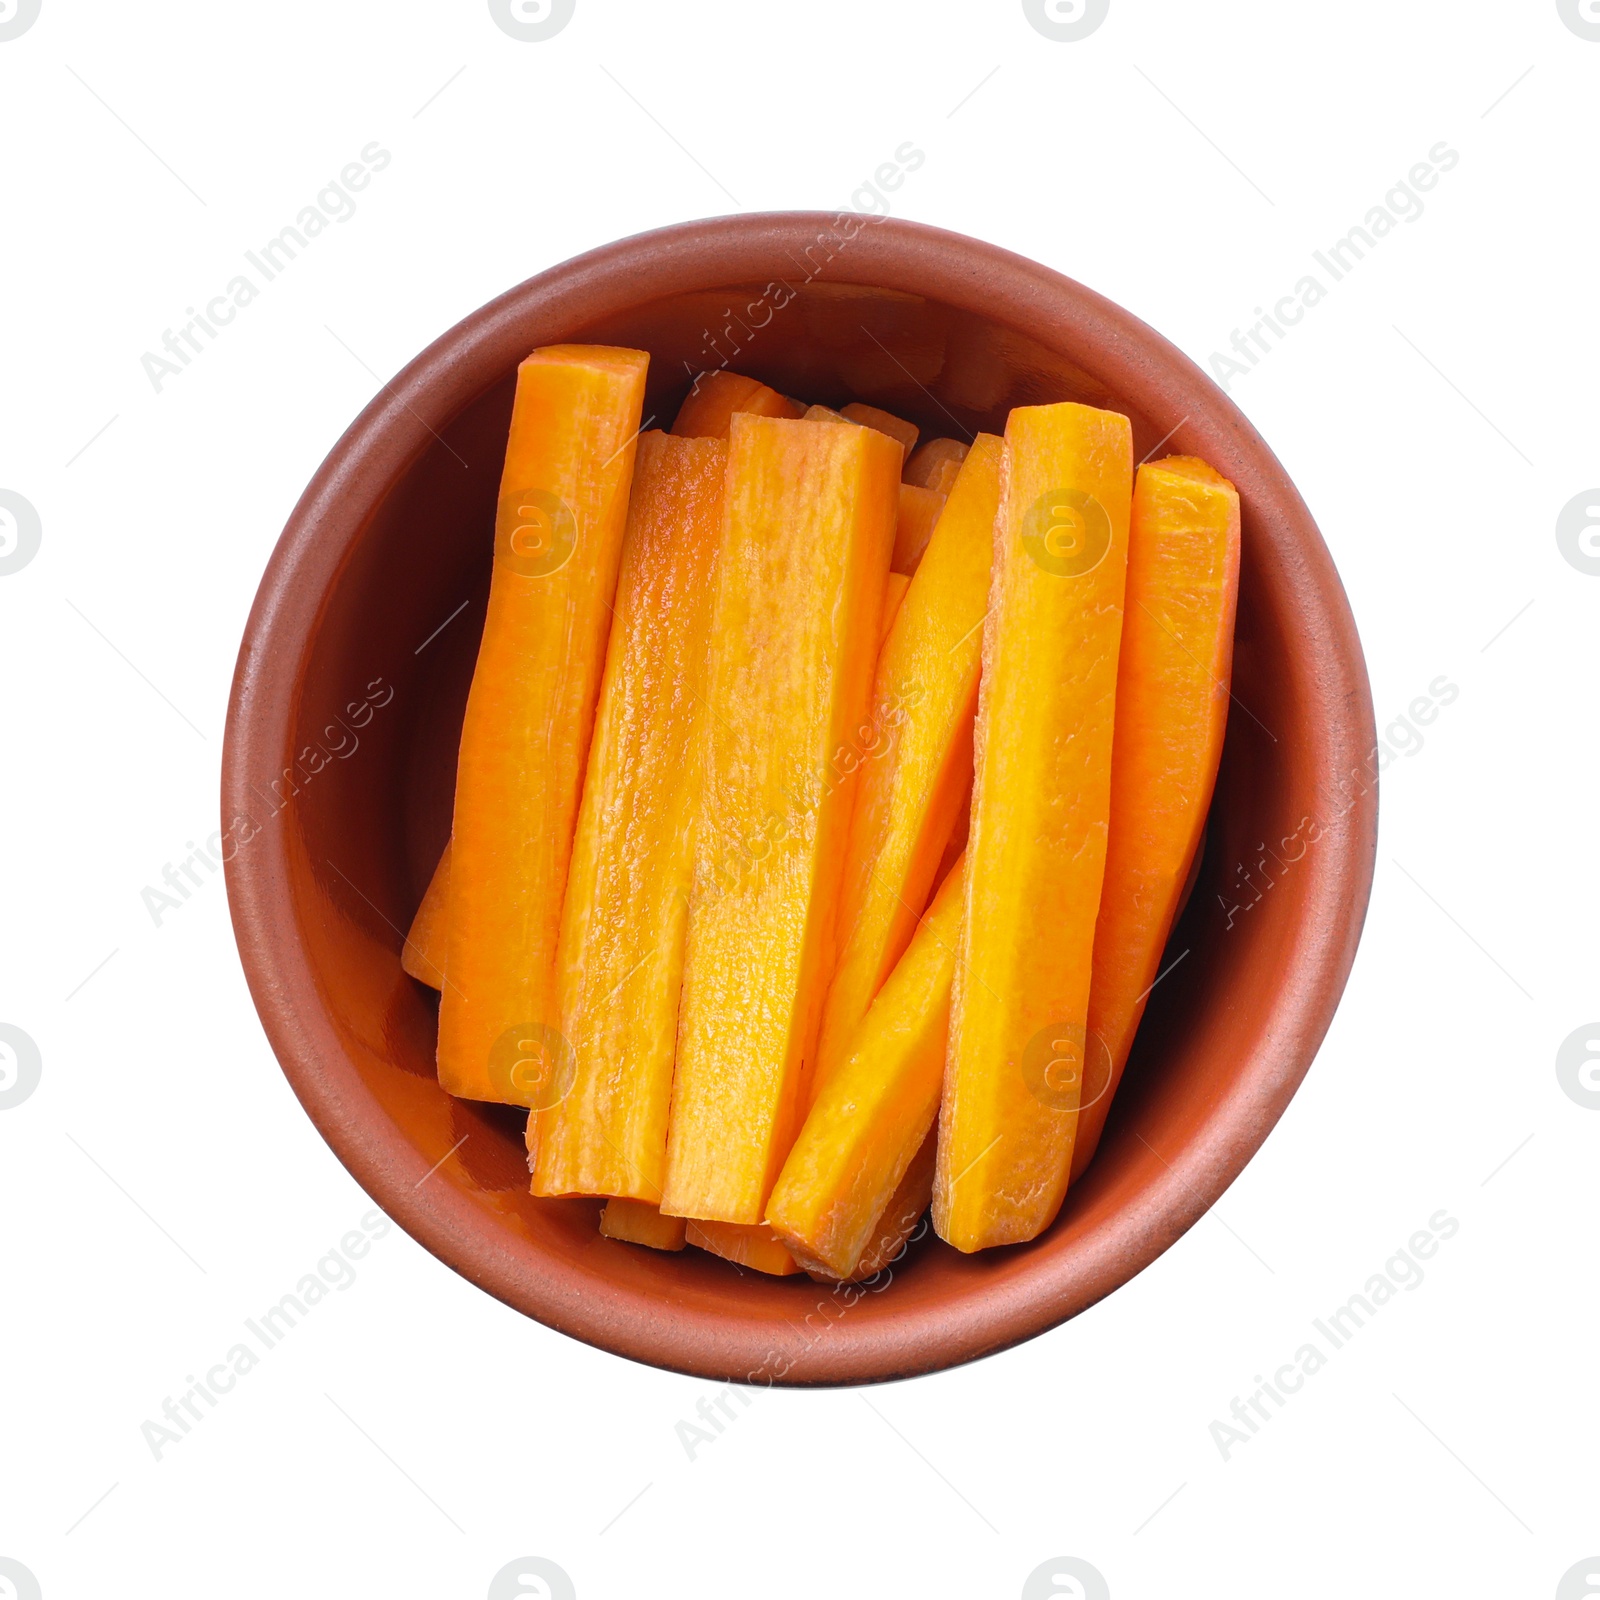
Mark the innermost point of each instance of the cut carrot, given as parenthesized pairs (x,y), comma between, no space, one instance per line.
(907,1206)
(958,835)
(1172,708)
(918,772)
(808,524)
(873,1115)
(943,476)
(558,539)
(866,417)
(423,954)
(1040,811)
(926,459)
(919,515)
(894,591)
(716,396)
(620,958)
(754,1245)
(884,422)
(638,1222)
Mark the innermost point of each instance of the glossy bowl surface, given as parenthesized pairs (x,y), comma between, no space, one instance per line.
(340,762)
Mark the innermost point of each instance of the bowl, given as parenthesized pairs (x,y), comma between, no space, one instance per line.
(340,762)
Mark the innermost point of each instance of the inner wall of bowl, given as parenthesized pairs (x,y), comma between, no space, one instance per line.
(372,773)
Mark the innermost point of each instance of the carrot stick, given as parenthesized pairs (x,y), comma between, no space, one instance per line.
(867,417)
(884,422)
(716,396)
(894,591)
(873,1115)
(1172,708)
(423,953)
(919,768)
(639,1222)
(919,516)
(808,522)
(907,1206)
(620,957)
(558,538)
(927,458)
(1040,811)
(942,476)
(751,1245)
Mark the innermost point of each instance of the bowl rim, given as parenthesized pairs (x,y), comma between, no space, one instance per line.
(1136,364)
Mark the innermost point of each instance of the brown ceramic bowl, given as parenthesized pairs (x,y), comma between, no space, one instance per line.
(348,699)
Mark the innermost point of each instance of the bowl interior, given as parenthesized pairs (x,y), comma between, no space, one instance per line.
(363,807)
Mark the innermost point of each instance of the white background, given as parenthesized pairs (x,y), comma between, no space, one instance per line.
(413,1436)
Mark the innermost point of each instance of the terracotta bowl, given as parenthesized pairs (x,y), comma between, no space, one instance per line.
(340,761)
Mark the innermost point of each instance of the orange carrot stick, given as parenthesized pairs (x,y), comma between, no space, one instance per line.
(884,422)
(919,516)
(942,477)
(558,539)
(716,396)
(1040,811)
(918,771)
(1172,708)
(927,458)
(752,1245)
(907,1206)
(872,1116)
(639,1222)
(808,523)
(620,956)
(867,417)
(423,953)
